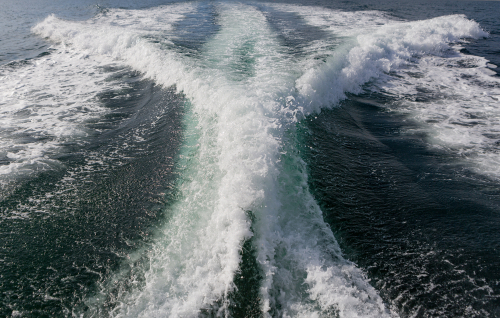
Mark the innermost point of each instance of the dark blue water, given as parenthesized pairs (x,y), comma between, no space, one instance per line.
(168,159)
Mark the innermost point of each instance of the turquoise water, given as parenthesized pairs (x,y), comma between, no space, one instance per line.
(249,159)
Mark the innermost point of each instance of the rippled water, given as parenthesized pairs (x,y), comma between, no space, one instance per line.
(249,159)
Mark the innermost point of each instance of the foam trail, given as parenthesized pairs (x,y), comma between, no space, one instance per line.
(460,109)
(47,101)
(306,275)
(246,95)
(240,110)
(388,48)
(44,105)
(295,248)
(194,260)
(238,164)
(367,46)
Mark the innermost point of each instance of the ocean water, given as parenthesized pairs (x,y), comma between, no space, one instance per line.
(249,159)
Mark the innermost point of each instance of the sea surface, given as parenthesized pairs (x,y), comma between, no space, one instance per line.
(215,158)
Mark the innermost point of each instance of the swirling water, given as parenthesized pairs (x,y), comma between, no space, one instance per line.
(249,159)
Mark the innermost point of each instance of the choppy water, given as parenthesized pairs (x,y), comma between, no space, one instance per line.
(249,159)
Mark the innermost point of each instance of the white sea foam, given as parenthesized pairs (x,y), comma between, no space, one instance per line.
(371,55)
(245,95)
(461,107)
(44,104)
(342,23)
(456,102)
(241,116)
(159,19)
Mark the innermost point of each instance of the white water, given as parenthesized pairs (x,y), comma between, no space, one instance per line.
(43,105)
(245,94)
(45,102)
(463,115)
(452,96)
